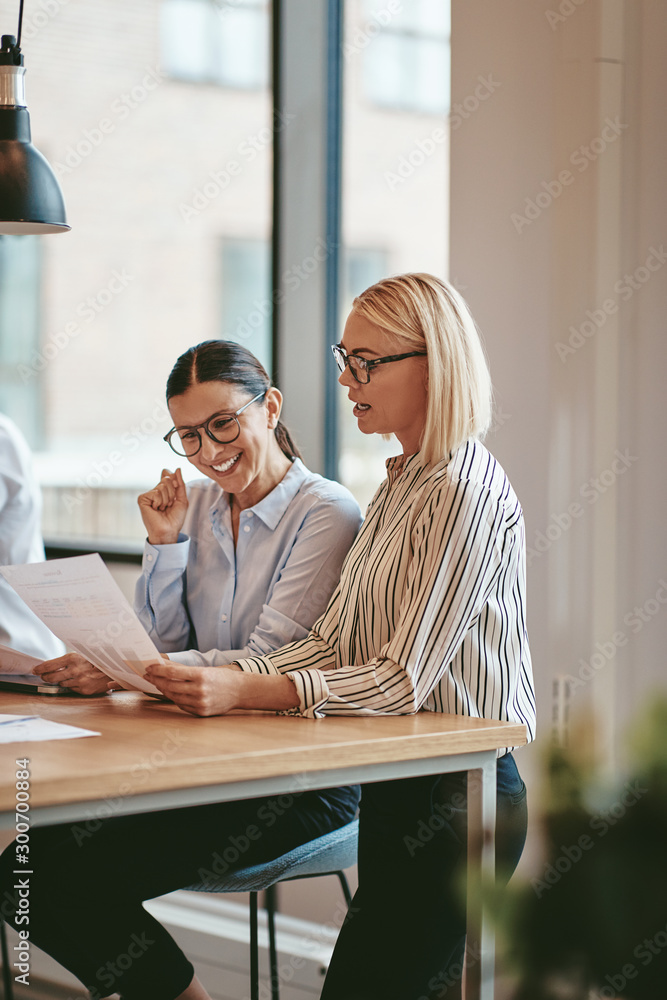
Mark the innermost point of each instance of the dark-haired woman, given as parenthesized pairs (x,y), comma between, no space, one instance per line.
(245,560)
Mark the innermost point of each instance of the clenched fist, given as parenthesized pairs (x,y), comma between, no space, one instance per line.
(163,508)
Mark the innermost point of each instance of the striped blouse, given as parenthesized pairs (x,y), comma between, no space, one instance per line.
(430,611)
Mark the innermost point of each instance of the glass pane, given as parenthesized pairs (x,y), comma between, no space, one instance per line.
(21,361)
(395,173)
(427,17)
(431,76)
(246,296)
(157,174)
(183,38)
(214,41)
(385,72)
(243,47)
(409,72)
(431,17)
(360,465)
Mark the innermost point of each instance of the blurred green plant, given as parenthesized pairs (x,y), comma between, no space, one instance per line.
(592,922)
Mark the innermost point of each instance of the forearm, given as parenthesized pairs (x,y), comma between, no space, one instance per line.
(274,693)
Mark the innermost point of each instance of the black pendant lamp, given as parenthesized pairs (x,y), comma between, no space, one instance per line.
(31,201)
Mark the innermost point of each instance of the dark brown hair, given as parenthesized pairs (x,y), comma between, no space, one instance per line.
(226,361)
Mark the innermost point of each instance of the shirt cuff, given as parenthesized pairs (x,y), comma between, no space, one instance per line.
(211,658)
(312,690)
(170,557)
(256,665)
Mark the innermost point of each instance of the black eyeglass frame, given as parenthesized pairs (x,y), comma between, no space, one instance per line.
(367,364)
(205,426)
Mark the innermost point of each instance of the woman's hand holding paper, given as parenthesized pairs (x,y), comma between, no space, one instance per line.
(218,690)
(75,672)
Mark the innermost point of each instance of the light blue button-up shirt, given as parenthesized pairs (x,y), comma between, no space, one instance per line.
(205,602)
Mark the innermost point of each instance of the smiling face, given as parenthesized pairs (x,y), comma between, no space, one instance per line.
(252,465)
(395,400)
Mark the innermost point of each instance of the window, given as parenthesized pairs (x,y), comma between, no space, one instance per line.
(361,268)
(395,173)
(216,41)
(156,177)
(406,54)
(361,458)
(246,296)
(21,360)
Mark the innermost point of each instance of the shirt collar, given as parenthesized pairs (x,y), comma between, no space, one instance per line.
(271,508)
(399,464)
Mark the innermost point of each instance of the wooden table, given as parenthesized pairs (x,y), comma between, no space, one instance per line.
(151,755)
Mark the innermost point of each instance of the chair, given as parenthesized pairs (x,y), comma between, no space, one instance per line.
(326,855)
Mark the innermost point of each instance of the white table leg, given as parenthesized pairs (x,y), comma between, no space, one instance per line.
(480,944)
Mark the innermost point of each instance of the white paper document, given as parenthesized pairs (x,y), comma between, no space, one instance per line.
(21,728)
(83,605)
(14,662)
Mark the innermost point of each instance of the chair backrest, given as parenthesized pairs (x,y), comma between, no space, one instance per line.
(330,853)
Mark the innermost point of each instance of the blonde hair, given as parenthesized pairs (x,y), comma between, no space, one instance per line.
(427,313)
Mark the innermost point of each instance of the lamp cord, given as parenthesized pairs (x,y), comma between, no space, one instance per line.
(18,36)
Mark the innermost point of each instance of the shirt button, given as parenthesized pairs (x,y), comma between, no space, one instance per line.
(248,513)
(150,557)
(223,618)
(247,527)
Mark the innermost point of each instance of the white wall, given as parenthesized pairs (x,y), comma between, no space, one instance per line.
(563,70)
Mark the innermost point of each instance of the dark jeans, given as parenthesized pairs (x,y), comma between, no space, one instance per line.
(89,881)
(405,933)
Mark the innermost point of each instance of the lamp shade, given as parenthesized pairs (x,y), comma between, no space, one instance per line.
(30,197)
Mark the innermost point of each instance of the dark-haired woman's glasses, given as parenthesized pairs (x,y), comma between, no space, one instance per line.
(361,368)
(222,428)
